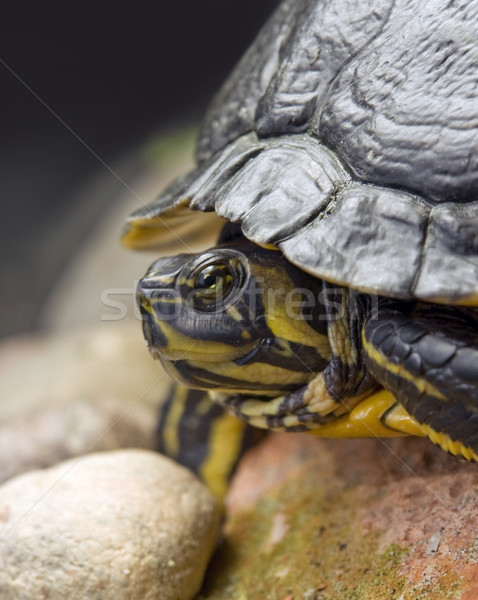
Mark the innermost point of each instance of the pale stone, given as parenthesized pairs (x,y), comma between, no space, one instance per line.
(65,394)
(126,524)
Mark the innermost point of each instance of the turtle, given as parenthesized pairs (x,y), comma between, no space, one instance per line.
(338,165)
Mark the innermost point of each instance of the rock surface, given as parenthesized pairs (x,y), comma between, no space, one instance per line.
(312,519)
(65,394)
(117,525)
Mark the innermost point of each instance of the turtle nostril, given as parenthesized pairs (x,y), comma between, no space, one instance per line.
(158,304)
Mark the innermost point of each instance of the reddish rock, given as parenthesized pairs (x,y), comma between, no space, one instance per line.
(358,519)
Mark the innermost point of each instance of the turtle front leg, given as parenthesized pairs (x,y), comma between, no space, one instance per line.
(373,413)
(203,436)
(427,357)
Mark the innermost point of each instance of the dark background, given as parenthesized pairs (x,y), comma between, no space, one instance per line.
(112,74)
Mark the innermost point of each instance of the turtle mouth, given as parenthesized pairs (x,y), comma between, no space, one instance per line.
(153,335)
(166,344)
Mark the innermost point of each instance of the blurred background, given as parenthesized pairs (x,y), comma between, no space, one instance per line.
(84,90)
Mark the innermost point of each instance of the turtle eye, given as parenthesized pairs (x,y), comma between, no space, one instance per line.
(211,286)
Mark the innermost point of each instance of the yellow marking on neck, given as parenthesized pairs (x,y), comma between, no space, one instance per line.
(203,406)
(171,426)
(225,441)
(422,385)
(282,310)
(298,331)
(254,372)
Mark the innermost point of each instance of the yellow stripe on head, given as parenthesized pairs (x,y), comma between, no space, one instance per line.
(282,310)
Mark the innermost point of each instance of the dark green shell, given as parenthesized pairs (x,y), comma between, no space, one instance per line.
(348,137)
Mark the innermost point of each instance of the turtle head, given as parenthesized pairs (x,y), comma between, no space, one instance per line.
(236,318)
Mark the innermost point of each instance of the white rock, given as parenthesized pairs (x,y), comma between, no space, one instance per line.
(125,524)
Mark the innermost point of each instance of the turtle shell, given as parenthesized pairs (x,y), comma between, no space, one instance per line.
(347,137)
